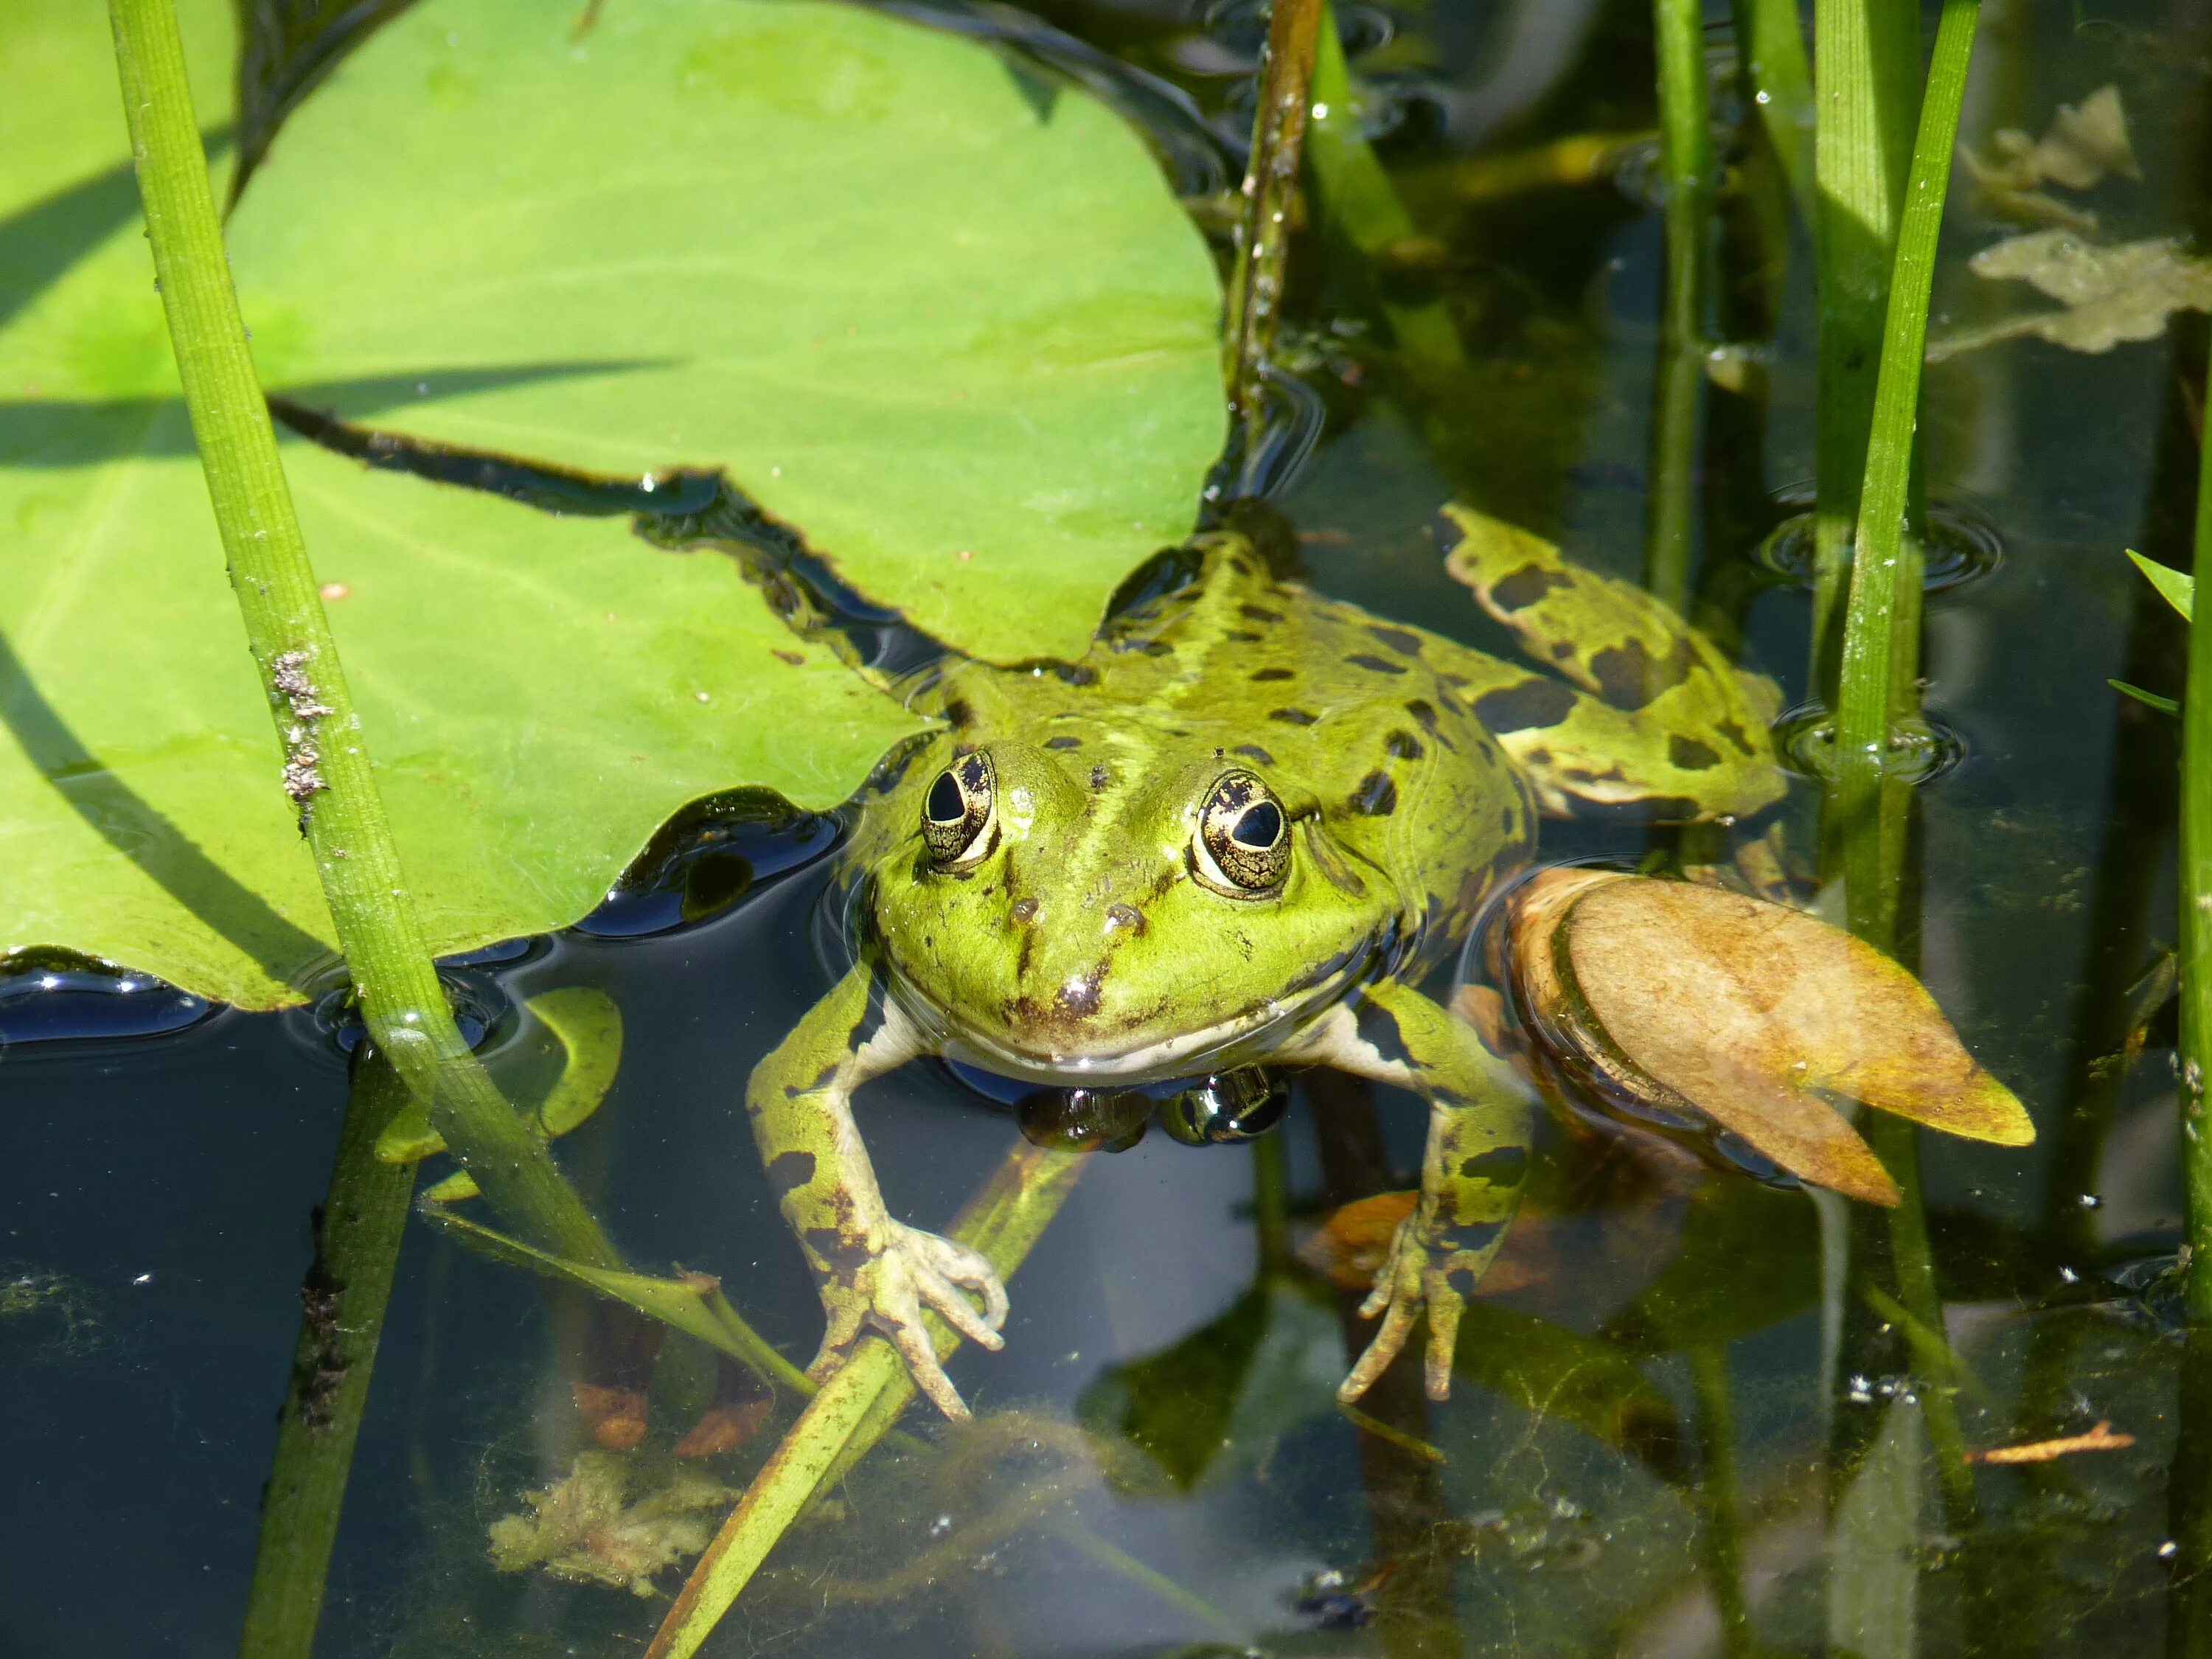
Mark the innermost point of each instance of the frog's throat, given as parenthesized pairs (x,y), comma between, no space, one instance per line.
(1271,1030)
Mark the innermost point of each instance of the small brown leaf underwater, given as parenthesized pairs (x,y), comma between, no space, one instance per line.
(1752,1013)
(1349,1246)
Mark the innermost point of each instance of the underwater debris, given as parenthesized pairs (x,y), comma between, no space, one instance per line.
(2100,1438)
(2126,291)
(2085,143)
(581,1528)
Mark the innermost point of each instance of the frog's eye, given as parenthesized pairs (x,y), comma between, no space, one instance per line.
(1243,844)
(958,815)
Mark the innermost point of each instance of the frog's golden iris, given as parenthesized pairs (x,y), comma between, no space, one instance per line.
(1242,829)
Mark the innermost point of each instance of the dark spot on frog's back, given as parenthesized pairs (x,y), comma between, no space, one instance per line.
(1518,707)
(1688,755)
(1736,735)
(1628,676)
(1404,746)
(788,1171)
(1253,751)
(1424,712)
(1375,665)
(1063,742)
(1525,587)
(1260,613)
(1292,716)
(957,714)
(1398,638)
(1376,796)
(1505,1167)
(1273,674)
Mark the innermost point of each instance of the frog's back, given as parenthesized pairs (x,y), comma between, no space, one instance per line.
(1341,713)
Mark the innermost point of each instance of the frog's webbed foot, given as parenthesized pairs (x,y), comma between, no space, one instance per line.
(1418,1274)
(887,1288)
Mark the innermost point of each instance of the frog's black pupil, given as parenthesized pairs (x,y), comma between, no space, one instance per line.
(945,804)
(1259,826)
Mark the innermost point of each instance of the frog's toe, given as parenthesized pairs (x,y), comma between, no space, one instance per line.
(947,1264)
(1416,1278)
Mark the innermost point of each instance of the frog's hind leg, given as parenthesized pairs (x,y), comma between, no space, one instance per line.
(1480,1120)
(1661,717)
(872,1271)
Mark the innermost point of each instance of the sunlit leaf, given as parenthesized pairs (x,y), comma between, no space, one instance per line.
(945,318)
(1757,1016)
(955,328)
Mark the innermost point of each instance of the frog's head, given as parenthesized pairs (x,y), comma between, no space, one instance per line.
(1060,919)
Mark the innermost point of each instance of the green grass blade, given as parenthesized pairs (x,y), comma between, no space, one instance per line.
(1685,168)
(2195,876)
(1278,132)
(2177,587)
(1881,657)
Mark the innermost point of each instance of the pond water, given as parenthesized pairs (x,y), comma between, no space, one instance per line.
(1691,1416)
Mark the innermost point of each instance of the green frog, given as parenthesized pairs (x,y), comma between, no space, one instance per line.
(1242,829)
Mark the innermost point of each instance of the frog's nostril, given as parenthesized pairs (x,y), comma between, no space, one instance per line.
(1024,909)
(1121,916)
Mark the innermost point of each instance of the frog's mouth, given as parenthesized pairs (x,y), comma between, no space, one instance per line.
(1068,1055)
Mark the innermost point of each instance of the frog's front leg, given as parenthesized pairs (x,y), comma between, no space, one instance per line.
(873,1272)
(1479,1124)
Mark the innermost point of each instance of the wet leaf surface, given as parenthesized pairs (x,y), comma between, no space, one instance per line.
(1754,1015)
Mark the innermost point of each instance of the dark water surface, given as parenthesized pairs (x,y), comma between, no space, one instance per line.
(1691,1399)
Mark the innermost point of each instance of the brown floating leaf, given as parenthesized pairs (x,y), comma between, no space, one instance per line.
(2100,1438)
(1751,1013)
(2123,292)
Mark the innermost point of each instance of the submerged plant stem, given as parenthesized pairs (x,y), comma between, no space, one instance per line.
(1362,205)
(1686,152)
(326,766)
(857,1403)
(357,1235)
(1723,1519)
(1780,84)
(2196,926)
(1278,134)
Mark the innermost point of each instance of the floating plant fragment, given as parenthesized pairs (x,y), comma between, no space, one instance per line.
(2085,143)
(2123,292)
(1700,1002)
(584,1527)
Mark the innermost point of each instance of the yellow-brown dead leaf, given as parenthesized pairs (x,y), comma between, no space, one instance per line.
(1754,1014)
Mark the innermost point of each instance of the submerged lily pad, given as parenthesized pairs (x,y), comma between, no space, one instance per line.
(945,318)
(540,693)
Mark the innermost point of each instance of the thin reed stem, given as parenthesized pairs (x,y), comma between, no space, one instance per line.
(1278,134)
(344,1298)
(326,764)
(1686,167)
(2195,876)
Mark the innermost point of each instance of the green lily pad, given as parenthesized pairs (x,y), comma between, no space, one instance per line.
(540,693)
(946,320)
